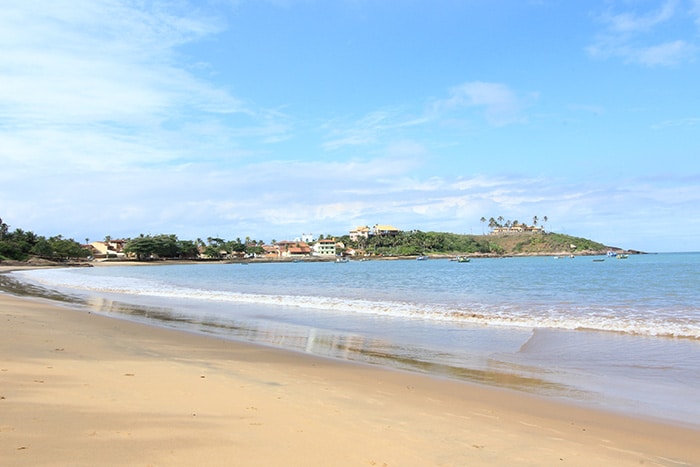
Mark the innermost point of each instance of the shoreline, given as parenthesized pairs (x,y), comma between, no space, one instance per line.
(76,387)
(9,265)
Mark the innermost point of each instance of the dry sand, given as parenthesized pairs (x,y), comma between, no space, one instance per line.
(81,389)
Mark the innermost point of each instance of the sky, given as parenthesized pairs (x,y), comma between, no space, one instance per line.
(270,119)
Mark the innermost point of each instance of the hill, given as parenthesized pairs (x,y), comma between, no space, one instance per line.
(545,244)
(506,244)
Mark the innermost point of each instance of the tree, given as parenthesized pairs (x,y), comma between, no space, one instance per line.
(166,246)
(238,246)
(42,249)
(188,249)
(66,248)
(483,221)
(3,229)
(17,245)
(142,246)
(11,250)
(254,249)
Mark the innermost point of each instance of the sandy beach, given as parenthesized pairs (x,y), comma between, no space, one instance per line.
(77,389)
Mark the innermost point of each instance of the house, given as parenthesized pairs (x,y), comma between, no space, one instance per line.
(383,230)
(360,232)
(108,249)
(516,229)
(301,249)
(289,249)
(271,251)
(325,247)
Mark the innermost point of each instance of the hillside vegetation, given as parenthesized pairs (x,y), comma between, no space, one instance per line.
(443,243)
(546,243)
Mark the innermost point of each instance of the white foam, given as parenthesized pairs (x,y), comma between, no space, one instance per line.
(492,314)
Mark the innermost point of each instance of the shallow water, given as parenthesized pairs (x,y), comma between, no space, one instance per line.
(617,334)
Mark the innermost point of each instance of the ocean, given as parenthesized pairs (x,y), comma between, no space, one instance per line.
(615,334)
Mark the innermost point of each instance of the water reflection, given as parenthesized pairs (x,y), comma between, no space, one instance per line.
(316,341)
(12,286)
(333,344)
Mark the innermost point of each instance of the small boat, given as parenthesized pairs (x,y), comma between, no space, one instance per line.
(599,260)
(421,258)
(462,259)
(342,260)
(610,253)
(622,256)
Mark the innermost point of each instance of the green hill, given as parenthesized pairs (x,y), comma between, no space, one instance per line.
(416,242)
(545,243)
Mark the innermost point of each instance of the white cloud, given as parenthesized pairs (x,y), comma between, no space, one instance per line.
(668,53)
(496,103)
(369,129)
(630,22)
(501,106)
(97,60)
(100,85)
(683,122)
(283,199)
(647,38)
(695,11)
(664,54)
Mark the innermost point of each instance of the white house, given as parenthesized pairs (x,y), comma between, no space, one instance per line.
(326,247)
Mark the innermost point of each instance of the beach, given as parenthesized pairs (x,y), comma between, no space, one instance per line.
(77,388)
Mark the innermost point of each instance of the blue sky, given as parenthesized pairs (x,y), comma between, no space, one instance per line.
(269,119)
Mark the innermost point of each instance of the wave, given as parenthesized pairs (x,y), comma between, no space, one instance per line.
(564,316)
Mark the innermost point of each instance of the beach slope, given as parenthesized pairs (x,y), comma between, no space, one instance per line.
(78,388)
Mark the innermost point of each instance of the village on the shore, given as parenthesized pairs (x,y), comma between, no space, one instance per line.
(356,244)
(381,241)
(304,246)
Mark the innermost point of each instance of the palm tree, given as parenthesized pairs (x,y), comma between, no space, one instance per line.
(483,221)
(534,221)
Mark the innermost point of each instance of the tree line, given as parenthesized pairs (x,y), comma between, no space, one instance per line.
(19,245)
(500,221)
(169,246)
(417,242)
(406,243)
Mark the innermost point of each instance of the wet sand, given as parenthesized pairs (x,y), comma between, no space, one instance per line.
(78,388)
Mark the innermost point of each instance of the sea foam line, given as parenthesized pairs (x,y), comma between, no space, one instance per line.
(477,314)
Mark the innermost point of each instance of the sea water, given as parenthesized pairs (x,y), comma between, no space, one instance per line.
(618,334)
